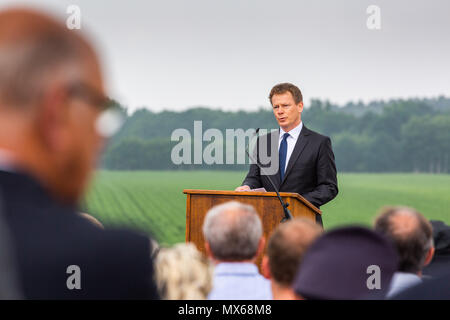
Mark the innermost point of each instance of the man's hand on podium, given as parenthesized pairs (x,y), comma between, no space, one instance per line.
(242,188)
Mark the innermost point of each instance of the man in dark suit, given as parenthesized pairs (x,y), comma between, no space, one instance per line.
(51,103)
(305,158)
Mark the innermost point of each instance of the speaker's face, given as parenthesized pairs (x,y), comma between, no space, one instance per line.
(286,111)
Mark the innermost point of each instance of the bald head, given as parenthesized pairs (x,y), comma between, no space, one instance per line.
(411,233)
(404,222)
(35,50)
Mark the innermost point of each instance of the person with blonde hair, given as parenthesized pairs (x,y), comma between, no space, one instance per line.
(183,273)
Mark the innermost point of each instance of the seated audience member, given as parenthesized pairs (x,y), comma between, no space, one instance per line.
(183,273)
(441,258)
(412,236)
(346,263)
(233,239)
(51,99)
(285,250)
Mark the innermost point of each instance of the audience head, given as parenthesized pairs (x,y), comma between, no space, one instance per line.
(51,95)
(233,232)
(411,234)
(340,265)
(183,273)
(285,250)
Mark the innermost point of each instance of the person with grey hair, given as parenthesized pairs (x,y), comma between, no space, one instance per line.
(412,235)
(233,239)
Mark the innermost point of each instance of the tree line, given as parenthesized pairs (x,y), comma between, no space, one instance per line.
(381,136)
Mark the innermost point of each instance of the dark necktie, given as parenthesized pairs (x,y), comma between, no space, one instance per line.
(282,153)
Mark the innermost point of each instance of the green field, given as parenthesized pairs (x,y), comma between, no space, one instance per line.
(153,201)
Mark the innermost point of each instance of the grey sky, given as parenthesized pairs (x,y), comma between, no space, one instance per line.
(174,54)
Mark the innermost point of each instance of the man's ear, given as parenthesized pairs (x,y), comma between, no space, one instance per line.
(208,250)
(261,246)
(300,106)
(429,256)
(265,268)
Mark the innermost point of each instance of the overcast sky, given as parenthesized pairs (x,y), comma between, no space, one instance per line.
(174,54)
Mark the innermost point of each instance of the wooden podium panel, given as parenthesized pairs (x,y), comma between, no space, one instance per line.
(267,205)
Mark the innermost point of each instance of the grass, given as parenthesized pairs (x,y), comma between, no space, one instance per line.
(153,201)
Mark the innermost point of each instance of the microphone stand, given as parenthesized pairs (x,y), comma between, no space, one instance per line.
(287,213)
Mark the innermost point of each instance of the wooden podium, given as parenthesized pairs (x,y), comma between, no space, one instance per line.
(267,205)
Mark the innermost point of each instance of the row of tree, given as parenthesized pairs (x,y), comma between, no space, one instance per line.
(393,136)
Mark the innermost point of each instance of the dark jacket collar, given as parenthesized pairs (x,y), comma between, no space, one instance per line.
(300,145)
(21,187)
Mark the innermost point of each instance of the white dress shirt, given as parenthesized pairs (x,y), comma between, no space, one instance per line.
(239,281)
(402,281)
(291,141)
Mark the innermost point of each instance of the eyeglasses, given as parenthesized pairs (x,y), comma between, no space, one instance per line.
(110,120)
(90,95)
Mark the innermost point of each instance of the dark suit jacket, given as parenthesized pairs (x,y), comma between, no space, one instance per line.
(434,289)
(311,171)
(48,237)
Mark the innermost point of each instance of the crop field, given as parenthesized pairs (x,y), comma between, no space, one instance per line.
(153,201)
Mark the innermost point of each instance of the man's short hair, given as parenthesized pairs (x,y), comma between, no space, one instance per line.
(411,233)
(287,87)
(233,231)
(286,247)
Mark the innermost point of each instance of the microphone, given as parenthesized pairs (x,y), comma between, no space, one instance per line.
(287,213)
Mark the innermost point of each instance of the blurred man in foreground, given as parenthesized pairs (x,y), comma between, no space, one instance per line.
(51,103)
(233,235)
(285,250)
(412,236)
